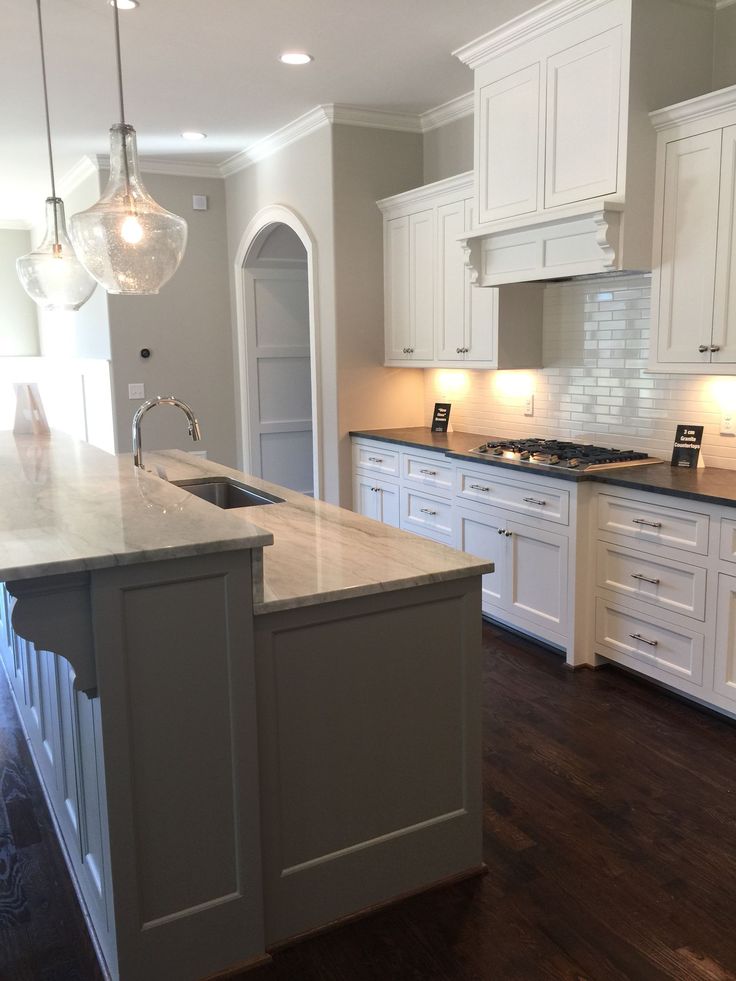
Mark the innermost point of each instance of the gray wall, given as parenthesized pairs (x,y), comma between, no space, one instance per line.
(18,318)
(448,150)
(187,328)
(724,62)
(368,164)
(298,177)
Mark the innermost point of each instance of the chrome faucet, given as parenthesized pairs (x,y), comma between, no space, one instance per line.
(194,431)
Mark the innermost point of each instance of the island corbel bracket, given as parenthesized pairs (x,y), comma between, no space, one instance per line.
(55,614)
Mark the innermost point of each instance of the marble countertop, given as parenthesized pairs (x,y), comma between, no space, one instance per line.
(322,553)
(711,484)
(66,506)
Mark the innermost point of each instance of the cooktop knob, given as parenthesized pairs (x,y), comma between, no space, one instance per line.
(524,455)
(573,463)
(497,451)
(554,458)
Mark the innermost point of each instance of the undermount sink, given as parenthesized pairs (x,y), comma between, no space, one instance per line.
(226,493)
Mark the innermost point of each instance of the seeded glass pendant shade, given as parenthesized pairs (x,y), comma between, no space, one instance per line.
(126,241)
(51,274)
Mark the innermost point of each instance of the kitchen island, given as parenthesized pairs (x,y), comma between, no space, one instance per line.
(249,724)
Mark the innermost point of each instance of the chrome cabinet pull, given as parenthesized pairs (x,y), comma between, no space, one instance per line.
(508,534)
(715,347)
(703,348)
(375,459)
(535,500)
(479,487)
(429,473)
(428,511)
(410,350)
(643,578)
(501,531)
(375,489)
(459,350)
(649,524)
(652,643)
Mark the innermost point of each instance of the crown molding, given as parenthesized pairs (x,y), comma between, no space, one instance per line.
(297,129)
(720,4)
(450,111)
(400,122)
(166,165)
(524,28)
(82,169)
(461,185)
(700,107)
(15,225)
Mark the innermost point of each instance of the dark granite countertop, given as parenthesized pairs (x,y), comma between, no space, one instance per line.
(710,484)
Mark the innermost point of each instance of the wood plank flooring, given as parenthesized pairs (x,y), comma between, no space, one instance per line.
(609,833)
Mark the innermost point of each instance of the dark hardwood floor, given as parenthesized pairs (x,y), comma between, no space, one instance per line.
(609,833)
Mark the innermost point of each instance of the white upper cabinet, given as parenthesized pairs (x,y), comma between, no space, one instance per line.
(564,152)
(435,316)
(508,134)
(694,253)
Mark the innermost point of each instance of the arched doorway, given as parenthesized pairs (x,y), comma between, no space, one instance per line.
(277,340)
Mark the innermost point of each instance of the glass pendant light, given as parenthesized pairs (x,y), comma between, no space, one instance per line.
(126,241)
(51,274)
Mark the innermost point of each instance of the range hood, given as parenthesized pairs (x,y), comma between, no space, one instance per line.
(565,153)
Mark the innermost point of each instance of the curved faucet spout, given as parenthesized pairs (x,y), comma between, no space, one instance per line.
(194,430)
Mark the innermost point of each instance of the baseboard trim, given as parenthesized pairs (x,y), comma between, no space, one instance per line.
(361,914)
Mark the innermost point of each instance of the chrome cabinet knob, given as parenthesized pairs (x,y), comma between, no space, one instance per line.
(703,348)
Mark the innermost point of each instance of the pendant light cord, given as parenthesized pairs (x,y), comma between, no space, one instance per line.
(120,94)
(48,122)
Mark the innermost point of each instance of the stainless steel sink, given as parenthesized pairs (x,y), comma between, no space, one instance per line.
(227,493)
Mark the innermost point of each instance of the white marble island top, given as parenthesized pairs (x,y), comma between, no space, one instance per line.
(66,506)
(321,552)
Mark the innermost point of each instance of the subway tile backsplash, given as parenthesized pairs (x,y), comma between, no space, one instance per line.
(595,383)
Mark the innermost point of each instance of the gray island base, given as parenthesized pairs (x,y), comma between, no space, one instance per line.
(249,725)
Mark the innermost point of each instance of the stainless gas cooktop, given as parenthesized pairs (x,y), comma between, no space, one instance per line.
(555,453)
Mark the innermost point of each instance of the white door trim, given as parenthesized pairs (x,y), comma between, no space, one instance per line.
(276,214)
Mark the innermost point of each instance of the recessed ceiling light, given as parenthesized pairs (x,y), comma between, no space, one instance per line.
(296,58)
(124,4)
(193,134)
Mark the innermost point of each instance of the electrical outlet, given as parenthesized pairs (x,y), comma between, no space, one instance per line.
(728,424)
(136,390)
(529,406)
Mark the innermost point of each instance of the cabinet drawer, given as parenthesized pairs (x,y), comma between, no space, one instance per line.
(434,476)
(676,588)
(648,644)
(544,502)
(428,516)
(376,458)
(654,523)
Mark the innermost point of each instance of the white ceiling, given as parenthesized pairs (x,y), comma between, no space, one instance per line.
(212,65)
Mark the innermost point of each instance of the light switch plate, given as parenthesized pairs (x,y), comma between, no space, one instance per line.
(728,424)
(136,390)
(529,406)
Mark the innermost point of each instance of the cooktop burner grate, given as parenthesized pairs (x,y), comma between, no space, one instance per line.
(562,453)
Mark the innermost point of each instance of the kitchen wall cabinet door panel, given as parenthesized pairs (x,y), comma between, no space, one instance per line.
(481,313)
(688,253)
(583,120)
(723,341)
(451,283)
(421,286)
(396,274)
(508,145)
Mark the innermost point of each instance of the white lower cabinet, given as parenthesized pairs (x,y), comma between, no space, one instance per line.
(725,659)
(529,585)
(376,498)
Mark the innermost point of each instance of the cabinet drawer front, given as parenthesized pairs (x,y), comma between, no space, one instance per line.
(434,476)
(654,523)
(376,458)
(648,642)
(427,516)
(544,502)
(728,540)
(677,588)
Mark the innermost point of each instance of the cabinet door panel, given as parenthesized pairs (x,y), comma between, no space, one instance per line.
(396,273)
(725,666)
(583,120)
(389,504)
(481,313)
(451,282)
(479,534)
(538,576)
(421,285)
(689,235)
(508,145)
(365,500)
(724,317)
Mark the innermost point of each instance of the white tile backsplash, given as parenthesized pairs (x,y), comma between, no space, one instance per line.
(596,343)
